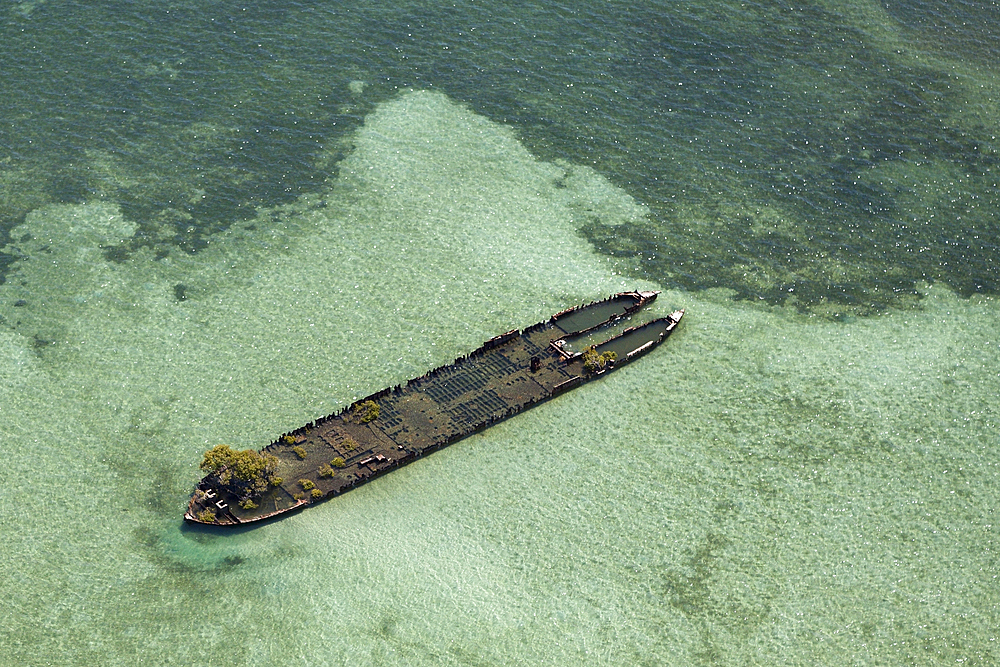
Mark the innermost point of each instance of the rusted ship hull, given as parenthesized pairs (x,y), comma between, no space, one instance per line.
(506,375)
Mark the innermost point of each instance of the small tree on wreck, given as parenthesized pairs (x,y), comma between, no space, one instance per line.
(595,361)
(244,474)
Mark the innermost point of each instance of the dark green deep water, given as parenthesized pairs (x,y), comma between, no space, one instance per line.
(221,220)
(839,154)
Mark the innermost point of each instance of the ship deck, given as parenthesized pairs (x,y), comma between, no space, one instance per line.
(505,376)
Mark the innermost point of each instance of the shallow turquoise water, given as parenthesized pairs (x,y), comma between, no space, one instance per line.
(221,224)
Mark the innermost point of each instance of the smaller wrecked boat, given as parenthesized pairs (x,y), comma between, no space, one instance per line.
(506,375)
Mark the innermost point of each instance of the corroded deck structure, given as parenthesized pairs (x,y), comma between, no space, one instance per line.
(507,374)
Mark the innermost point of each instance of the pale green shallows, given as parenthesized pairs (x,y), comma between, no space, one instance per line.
(763,489)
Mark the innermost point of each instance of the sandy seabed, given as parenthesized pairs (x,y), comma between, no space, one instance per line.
(767,488)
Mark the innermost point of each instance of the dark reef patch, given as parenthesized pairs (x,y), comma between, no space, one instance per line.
(787,153)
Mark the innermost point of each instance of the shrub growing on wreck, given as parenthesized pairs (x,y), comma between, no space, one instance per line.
(325,471)
(300,452)
(365,411)
(208,516)
(595,361)
(307,484)
(243,473)
(316,493)
(248,504)
(338,462)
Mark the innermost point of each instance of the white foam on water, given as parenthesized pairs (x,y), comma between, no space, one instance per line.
(764,488)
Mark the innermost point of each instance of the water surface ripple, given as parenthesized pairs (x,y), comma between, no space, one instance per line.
(222,221)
